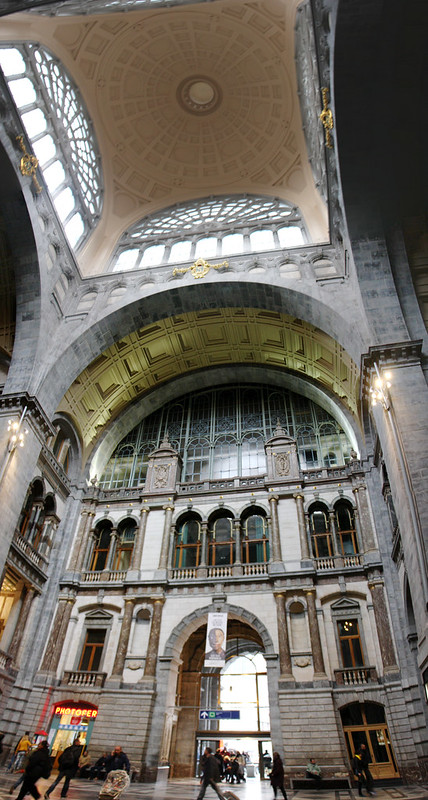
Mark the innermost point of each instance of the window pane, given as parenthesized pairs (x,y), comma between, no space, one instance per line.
(54,175)
(74,229)
(262,240)
(290,236)
(206,248)
(153,255)
(180,251)
(44,149)
(34,122)
(23,92)
(64,203)
(234,243)
(11,62)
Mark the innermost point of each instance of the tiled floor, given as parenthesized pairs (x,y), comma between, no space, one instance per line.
(253,789)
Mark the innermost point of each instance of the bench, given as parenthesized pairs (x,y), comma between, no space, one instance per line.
(326,783)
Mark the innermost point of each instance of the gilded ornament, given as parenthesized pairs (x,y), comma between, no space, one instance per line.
(28,164)
(326,118)
(200,268)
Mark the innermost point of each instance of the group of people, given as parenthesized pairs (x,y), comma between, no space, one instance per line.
(231,765)
(213,770)
(74,758)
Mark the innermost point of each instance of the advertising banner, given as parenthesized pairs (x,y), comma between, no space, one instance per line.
(215,646)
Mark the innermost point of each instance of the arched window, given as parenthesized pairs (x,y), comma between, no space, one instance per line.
(101,546)
(33,514)
(254,540)
(92,650)
(320,531)
(221,542)
(345,524)
(60,130)
(126,532)
(214,228)
(187,551)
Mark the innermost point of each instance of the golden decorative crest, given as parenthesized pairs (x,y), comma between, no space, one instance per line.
(29,164)
(326,118)
(200,268)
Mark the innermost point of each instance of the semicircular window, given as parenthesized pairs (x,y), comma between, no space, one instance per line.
(60,132)
(213,227)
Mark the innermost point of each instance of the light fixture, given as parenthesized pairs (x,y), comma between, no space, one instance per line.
(17,439)
(379,389)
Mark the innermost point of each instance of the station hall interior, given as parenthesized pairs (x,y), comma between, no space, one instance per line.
(213,382)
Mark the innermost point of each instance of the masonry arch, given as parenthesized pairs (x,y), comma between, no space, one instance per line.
(181,691)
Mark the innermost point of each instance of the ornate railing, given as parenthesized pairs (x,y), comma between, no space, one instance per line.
(255,569)
(84,678)
(5,661)
(103,575)
(29,552)
(338,562)
(357,676)
(245,570)
(220,572)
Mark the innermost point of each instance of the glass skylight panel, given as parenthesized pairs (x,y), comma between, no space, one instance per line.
(290,237)
(153,255)
(206,248)
(234,243)
(74,229)
(49,101)
(126,260)
(180,251)
(54,176)
(64,203)
(262,240)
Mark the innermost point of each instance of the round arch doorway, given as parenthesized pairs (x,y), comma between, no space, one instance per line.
(240,686)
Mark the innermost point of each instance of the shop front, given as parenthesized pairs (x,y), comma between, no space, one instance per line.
(71,720)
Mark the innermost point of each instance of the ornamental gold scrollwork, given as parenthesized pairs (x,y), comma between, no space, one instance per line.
(28,164)
(200,268)
(326,118)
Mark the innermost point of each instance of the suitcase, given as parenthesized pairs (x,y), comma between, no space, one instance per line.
(116,782)
(230,795)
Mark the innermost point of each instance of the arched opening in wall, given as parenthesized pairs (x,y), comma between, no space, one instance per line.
(11,597)
(224,708)
(365,723)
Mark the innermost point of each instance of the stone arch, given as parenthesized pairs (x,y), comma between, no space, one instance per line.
(193,621)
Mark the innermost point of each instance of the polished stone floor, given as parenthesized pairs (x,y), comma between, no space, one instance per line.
(253,789)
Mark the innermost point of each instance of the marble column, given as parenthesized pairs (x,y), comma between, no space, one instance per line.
(163,560)
(237,532)
(139,541)
(360,493)
(318,660)
(383,627)
(56,640)
(79,550)
(303,536)
(122,647)
(112,549)
(283,640)
(22,621)
(153,645)
(204,544)
(276,544)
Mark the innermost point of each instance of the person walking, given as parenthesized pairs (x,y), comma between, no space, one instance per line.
(277,776)
(22,748)
(68,763)
(39,766)
(360,766)
(210,774)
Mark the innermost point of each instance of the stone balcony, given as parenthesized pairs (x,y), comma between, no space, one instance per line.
(84,679)
(356,676)
(338,562)
(216,572)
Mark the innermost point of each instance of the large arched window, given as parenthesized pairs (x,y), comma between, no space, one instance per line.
(254,539)
(345,525)
(322,546)
(61,134)
(221,541)
(220,435)
(126,532)
(215,228)
(101,548)
(187,551)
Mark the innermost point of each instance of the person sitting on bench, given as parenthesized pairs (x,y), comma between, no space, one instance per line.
(313,770)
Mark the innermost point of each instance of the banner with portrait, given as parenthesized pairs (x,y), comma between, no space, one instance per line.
(215,645)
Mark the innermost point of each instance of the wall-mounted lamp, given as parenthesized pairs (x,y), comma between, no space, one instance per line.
(18,434)
(378,390)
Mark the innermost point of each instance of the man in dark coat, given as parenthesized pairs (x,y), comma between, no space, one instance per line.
(39,766)
(68,763)
(210,774)
(360,766)
(277,776)
(117,760)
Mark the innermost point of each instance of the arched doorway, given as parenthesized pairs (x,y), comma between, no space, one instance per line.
(364,723)
(240,686)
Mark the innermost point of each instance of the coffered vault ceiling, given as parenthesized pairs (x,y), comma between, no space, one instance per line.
(186,102)
(180,345)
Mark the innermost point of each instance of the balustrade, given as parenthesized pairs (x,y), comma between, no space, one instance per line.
(85,679)
(355,676)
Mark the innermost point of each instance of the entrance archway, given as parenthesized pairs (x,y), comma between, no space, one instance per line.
(214,688)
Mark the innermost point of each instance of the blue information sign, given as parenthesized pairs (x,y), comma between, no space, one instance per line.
(208,714)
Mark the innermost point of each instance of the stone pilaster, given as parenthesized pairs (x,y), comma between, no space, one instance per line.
(80,544)
(383,627)
(139,541)
(22,621)
(56,639)
(303,537)
(153,645)
(122,647)
(163,559)
(318,660)
(283,639)
(112,549)
(275,541)
(367,532)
